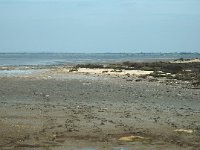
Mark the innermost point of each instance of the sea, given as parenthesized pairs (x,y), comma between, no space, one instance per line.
(25,59)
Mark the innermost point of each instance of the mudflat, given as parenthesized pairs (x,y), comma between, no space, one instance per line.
(83,111)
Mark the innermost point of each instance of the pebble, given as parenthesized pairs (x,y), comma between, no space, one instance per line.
(131,138)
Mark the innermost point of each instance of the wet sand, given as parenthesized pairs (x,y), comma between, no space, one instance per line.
(58,110)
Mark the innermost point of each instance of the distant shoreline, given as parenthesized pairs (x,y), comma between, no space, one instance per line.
(100,53)
(28,59)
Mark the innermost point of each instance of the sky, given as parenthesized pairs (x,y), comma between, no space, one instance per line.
(99,26)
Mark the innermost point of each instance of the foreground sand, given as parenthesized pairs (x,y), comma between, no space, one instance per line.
(62,110)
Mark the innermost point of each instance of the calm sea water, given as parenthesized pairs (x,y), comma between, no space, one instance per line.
(11,59)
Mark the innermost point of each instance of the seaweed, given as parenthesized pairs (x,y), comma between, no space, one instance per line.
(179,71)
(91,66)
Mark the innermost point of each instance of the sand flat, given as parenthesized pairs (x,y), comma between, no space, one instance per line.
(64,110)
(113,72)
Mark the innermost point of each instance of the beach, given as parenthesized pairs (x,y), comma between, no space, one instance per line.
(61,108)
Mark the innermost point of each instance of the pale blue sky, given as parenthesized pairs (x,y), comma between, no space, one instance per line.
(99,25)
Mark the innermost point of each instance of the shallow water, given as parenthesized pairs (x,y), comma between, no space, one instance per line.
(12,59)
(13,73)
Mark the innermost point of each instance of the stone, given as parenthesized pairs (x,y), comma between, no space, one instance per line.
(184,131)
(131,138)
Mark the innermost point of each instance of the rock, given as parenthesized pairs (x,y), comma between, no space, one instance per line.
(103,110)
(153,80)
(137,80)
(131,138)
(47,96)
(105,71)
(184,131)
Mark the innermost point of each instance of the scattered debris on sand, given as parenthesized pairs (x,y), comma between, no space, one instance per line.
(184,131)
(131,138)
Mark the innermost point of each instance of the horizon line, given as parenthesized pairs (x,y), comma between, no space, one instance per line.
(100,53)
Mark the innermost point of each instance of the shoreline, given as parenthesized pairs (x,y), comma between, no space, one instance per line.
(181,69)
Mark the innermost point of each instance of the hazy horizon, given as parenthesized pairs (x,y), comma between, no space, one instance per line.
(100,53)
(91,26)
